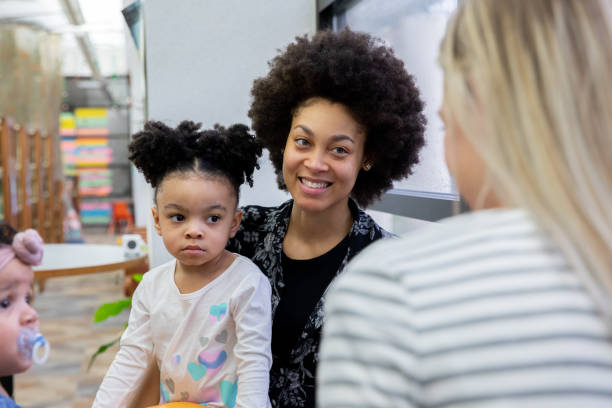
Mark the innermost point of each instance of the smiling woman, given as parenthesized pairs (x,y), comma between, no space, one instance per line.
(342,119)
(323,156)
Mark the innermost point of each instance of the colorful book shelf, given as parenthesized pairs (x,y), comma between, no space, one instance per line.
(93,157)
(68,143)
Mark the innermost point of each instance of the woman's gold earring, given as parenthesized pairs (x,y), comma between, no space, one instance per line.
(367,166)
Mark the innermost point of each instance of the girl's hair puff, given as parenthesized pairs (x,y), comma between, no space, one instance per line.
(159,150)
(7,233)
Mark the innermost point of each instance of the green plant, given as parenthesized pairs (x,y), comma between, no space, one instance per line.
(104,312)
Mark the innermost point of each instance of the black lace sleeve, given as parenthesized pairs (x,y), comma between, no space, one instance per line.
(245,239)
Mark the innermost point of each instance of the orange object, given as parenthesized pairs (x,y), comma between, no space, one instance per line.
(179,405)
(121,217)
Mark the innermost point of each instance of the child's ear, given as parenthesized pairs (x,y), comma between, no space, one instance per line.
(235,223)
(156,219)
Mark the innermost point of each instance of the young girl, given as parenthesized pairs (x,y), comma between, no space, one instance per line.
(205,316)
(19,340)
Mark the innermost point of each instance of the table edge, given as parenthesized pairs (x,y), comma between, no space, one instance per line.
(85,270)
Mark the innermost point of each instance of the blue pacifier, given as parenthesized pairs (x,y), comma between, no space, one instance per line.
(30,342)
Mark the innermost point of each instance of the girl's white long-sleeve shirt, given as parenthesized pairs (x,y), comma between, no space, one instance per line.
(212,345)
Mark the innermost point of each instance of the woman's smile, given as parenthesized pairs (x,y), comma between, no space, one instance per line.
(314,185)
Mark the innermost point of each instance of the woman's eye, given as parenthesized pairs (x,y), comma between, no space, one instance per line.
(214,218)
(29,299)
(177,218)
(339,150)
(301,142)
(5,303)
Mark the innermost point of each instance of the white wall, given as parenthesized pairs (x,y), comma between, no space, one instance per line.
(201,59)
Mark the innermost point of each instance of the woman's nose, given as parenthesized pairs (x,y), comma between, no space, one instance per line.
(316,162)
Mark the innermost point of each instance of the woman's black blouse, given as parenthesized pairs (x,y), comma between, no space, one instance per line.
(260,237)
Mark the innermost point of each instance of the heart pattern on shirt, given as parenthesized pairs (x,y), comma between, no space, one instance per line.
(229,391)
(196,370)
(208,395)
(164,393)
(218,311)
(212,360)
(222,337)
(170,384)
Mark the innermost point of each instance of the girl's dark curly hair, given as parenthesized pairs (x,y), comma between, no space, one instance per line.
(7,233)
(159,150)
(363,74)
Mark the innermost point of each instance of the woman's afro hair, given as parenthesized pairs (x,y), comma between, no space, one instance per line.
(360,72)
(159,150)
(7,233)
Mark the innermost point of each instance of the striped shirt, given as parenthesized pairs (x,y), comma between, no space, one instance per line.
(481,310)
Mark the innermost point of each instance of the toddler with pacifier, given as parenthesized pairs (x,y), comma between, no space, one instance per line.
(20,342)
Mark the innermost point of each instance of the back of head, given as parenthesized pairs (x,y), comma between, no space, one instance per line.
(158,151)
(530,83)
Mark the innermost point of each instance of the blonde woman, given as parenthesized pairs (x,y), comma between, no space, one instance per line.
(509,305)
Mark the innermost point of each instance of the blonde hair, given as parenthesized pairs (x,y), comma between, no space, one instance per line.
(530,83)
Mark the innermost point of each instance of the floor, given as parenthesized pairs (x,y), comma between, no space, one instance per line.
(66,309)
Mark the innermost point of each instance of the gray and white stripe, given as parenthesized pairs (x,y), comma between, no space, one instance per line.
(480,311)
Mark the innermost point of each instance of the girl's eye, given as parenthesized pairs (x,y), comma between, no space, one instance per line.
(5,303)
(28,299)
(177,218)
(340,150)
(214,218)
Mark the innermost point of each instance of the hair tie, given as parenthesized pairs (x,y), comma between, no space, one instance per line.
(27,247)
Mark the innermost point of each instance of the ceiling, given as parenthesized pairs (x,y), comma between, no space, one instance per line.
(100,21)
